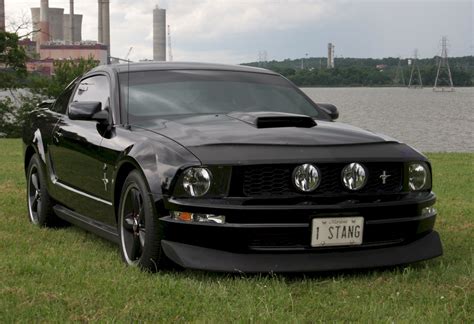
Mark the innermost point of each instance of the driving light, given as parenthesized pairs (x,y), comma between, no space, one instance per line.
(196,181)
(354,176)
(428,211)
(198,218)
(417,176)
(306,177)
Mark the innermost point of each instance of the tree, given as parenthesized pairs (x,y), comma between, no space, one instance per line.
(13,75)
(65,71)
(12,61)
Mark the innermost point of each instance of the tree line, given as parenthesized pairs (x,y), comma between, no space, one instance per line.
(367,71)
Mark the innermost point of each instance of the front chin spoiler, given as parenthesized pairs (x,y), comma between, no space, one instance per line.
(201,258)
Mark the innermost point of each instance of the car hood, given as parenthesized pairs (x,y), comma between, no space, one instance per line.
(219,129)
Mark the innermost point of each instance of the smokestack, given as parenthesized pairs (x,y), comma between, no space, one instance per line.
(99,37)
(159,34)
(43,25)
(106,26)
(71,19)
(2,15)
(330,63)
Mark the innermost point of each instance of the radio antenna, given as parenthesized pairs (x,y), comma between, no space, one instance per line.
(128,85)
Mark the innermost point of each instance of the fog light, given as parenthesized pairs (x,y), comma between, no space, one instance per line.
(199,218)
(428,211)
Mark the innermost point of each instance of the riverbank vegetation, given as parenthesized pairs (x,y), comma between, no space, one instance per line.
(68,274)
(367,71)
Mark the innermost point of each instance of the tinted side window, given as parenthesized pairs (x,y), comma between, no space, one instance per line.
(60,105)
(95,88)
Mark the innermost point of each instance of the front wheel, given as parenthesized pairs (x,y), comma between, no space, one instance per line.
(138,226)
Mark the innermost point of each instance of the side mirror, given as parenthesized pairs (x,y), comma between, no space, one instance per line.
(88,110)
(331,110)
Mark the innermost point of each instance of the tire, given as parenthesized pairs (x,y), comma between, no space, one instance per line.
(138,226)
(39,203)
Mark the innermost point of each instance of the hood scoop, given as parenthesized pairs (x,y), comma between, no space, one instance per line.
(271,119)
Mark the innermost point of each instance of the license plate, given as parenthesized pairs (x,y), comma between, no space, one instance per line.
(337,231)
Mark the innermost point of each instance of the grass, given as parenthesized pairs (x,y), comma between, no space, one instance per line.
(71,275)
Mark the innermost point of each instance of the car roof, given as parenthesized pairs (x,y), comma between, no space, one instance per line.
(154,65)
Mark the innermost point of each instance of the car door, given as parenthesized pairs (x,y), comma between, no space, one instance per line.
(76,154)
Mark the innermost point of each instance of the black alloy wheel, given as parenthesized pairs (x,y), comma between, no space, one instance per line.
(34,195)
(133,230)
(138,226)
(40,204)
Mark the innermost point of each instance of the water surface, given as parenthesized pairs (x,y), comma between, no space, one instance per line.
(429,121)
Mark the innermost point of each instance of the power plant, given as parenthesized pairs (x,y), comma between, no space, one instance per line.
(58,36)
(159,34)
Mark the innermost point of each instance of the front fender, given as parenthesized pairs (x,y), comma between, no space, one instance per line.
(158,159)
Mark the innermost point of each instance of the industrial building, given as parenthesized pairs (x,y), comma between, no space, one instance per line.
(58,36)
(159,34)
(61,51)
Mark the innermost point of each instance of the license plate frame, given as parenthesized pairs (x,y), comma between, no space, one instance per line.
(337,231)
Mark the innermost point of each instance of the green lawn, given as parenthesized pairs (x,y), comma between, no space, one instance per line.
(70,275)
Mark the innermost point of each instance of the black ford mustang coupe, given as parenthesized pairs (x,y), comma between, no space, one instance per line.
(224,168)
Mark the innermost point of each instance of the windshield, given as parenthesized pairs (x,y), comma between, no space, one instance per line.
(153,94)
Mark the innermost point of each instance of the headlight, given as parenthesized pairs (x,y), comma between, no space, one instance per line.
(417,176)
(196,181)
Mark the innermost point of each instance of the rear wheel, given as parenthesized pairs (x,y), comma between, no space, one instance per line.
(40,206)
(138,226)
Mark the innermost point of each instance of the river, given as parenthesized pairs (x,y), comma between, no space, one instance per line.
(429,121)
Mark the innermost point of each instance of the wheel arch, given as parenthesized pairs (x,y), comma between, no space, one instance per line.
(29,152)
(123,170)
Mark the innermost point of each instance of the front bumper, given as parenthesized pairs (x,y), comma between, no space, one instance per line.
(276,238)
(196,257)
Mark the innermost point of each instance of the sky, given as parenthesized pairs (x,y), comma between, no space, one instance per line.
(235,31)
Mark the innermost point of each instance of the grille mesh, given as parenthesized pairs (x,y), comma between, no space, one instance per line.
(276,180)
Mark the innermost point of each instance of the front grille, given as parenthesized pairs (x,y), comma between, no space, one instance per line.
(276,180)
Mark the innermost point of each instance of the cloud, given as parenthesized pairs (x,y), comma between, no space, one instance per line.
(214,19)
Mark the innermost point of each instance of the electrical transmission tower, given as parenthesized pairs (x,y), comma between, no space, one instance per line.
(262,58)
(399,74)
(414,66)
(443,75)
(170,52)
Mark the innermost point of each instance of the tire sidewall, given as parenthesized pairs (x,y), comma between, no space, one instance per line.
(46,209)
(151,256)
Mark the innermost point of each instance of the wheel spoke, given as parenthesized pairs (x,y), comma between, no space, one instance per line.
(34,180)
(135,249)
(34,203)
(38,209)
(135,200)
(141,235)
(128,222)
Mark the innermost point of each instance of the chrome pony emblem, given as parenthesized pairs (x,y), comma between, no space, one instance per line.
(384,177)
